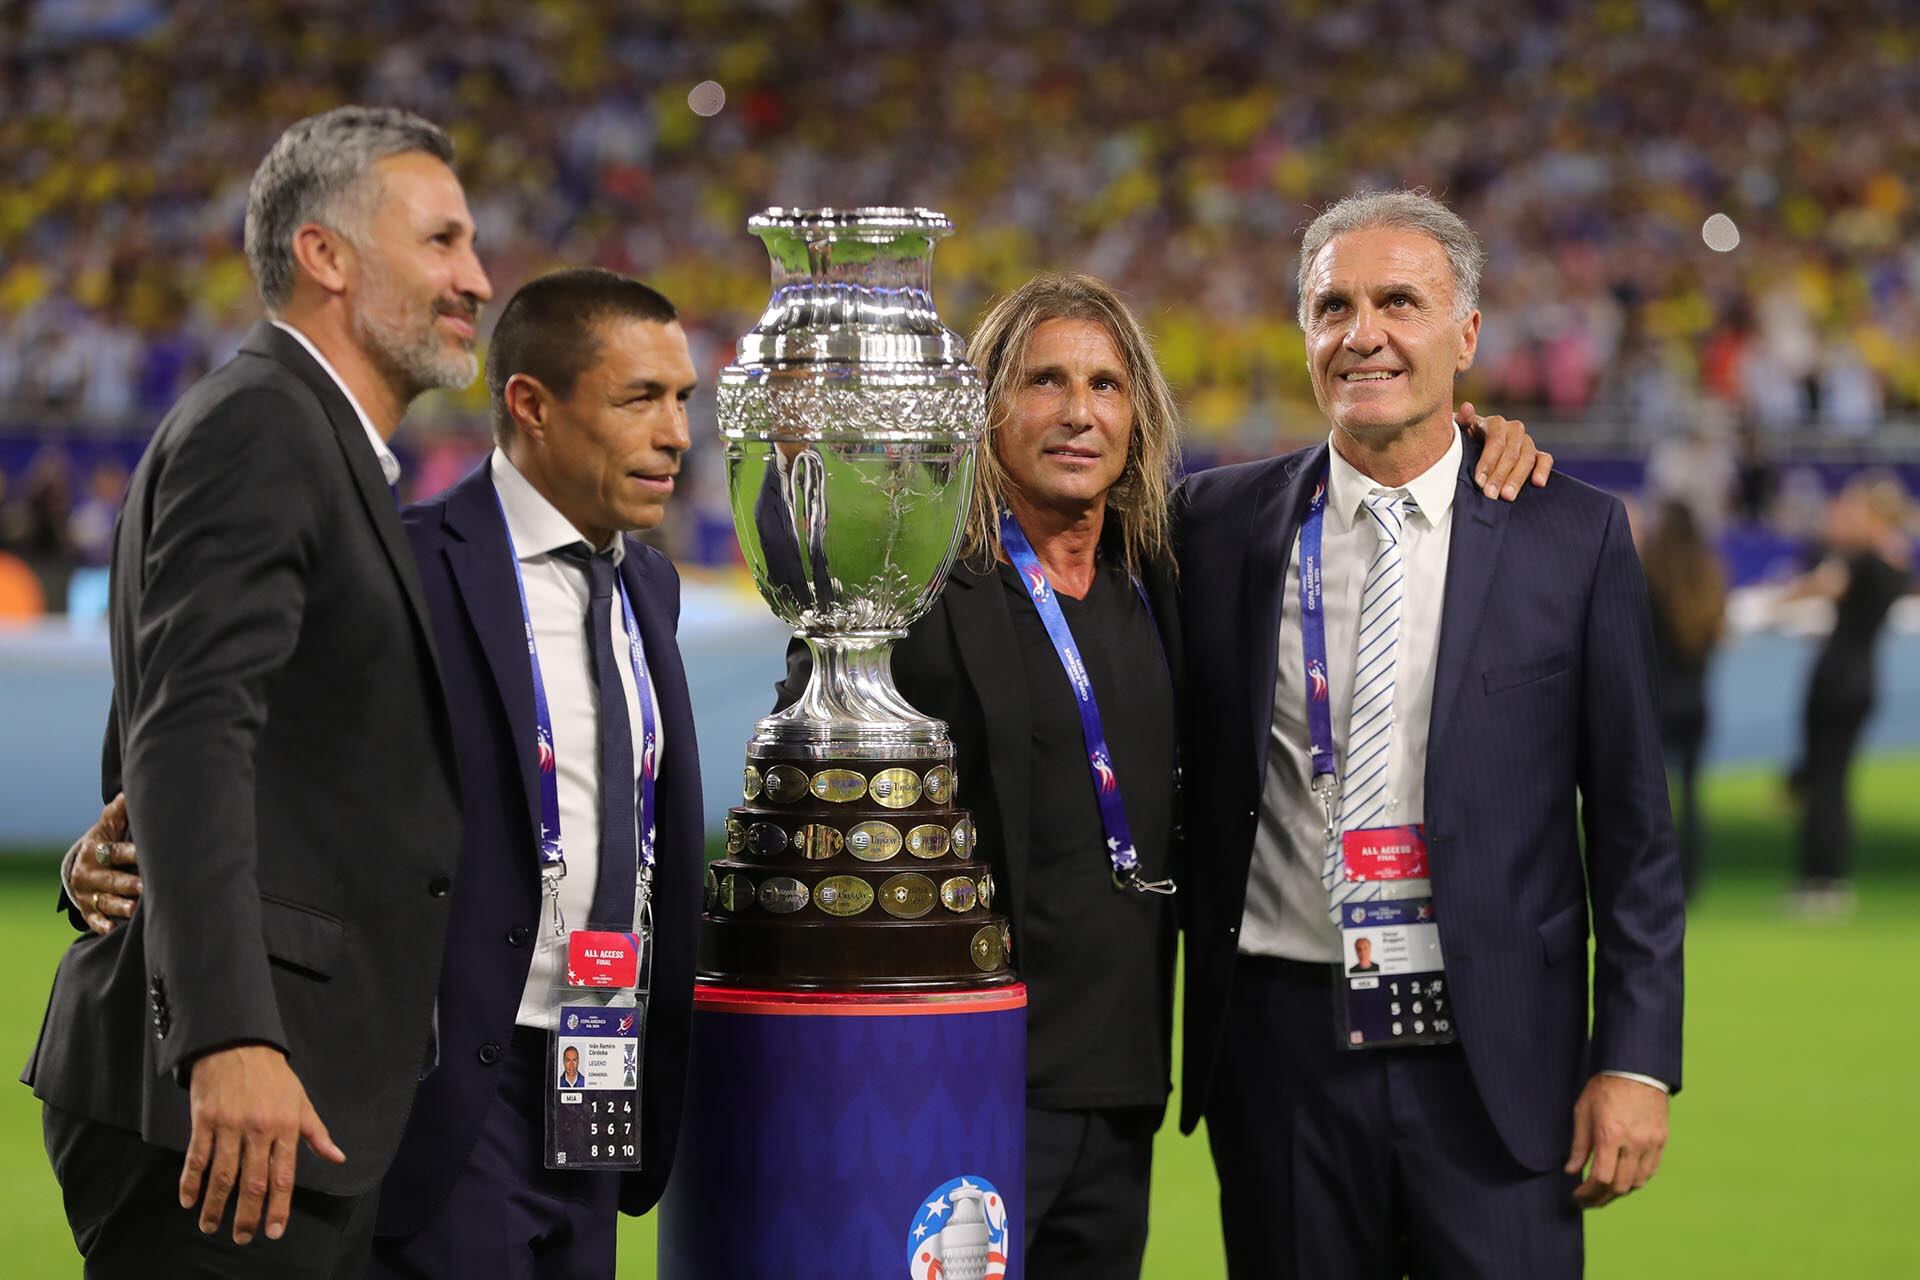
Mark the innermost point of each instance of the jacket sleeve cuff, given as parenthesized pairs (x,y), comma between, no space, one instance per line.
(1661,1085)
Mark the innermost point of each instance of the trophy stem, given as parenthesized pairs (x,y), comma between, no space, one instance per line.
(850,707)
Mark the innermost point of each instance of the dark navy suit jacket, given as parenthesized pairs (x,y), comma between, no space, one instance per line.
(466,570)
(1543,736)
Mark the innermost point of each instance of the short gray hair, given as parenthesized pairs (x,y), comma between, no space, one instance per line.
(317,172)
(1404,211)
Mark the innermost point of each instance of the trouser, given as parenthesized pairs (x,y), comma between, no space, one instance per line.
(1088,1173)
(1371,1164)
(1826,827)
(122,1198)
(508,1216)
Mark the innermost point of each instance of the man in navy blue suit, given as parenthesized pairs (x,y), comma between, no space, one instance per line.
(589,374)
(1419,703)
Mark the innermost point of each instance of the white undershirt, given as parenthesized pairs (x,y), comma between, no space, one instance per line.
(1286,911)
(557,598)
(389,465)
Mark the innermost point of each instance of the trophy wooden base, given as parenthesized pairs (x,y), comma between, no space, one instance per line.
(851,874)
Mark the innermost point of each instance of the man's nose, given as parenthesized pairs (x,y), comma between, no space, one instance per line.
(472,278)
(1079,407)
(1364,334)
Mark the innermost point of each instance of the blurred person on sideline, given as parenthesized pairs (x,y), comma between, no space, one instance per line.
(279,727)
(1869,566)
(1070,508)
(1687,601)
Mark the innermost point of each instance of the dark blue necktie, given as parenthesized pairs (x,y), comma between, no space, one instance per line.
(619,851)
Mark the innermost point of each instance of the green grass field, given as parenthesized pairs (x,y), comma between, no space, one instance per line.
(1793,1146)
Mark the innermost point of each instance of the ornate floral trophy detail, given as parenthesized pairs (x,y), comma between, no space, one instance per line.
(859,1035)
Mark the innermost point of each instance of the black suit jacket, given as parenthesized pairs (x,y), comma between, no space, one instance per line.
(954,663)
(1543,732)
(466,567)
(288,764)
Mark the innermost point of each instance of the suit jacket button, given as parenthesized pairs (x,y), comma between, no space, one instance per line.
(489,1053)
(438,886)
(517,936)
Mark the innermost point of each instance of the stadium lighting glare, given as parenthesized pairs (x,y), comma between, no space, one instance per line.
(1720,233)
(706,98)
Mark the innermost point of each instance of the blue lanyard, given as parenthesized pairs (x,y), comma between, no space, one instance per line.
(1313,637)
(552,857)
(1106,783)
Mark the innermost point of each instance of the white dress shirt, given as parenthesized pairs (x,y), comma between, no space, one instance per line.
(389,465)
(1286,912)
(557,597)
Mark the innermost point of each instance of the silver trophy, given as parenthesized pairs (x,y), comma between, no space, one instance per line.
(851,417)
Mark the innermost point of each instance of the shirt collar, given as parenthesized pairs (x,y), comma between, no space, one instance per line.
(1431,490)
(389,465)
(537,526)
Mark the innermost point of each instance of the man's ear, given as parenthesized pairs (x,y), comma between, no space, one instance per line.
(1469,343)
(527,398)
(324,255)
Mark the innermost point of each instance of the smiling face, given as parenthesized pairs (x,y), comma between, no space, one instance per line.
(417,285)
(571,1059)
(1383,340)
(606,453)
(1065,433)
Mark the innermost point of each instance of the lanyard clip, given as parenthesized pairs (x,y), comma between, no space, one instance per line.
(550,877)
(1326,786)
(1132,880)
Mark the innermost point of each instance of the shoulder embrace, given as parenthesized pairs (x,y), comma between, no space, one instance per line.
(1218,489)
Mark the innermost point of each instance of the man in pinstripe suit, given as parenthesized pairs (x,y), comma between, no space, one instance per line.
(1420,746)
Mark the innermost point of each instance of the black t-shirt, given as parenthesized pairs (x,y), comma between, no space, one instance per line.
(1098,961)
(1843,674)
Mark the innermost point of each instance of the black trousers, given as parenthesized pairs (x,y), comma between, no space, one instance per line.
(123,1203)
(508,1216)
(1088,1173)
(1371,1164)
(1826,824)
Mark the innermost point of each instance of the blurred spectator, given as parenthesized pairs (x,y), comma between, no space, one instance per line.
(1869,567)
(33,522)
(1687,590)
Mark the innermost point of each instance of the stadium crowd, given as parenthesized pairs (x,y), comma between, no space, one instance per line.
(1173,148)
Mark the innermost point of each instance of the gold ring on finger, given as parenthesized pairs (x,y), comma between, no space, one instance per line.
(96,903)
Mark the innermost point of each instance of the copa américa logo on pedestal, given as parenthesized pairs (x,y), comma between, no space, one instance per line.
(959,1233)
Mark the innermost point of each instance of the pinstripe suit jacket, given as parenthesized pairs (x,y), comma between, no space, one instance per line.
(1543,740)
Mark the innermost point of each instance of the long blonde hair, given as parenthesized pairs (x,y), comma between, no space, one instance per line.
(1140,498)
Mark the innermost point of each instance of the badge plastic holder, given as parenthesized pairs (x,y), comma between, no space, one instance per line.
(597,1050)
(1393,984)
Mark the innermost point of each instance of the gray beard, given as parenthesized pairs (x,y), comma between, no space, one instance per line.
(414,357)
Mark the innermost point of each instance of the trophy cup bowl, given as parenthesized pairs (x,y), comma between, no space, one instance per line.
(850,417)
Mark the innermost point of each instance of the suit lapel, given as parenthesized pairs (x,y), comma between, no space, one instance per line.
(1274,521)
(481,561)
(989,654)
(368,480)
(1479,525)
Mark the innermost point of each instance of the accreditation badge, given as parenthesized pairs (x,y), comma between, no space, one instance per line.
(1394,984)
(595,1053)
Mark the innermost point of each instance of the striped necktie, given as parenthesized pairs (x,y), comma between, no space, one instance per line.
(1363,777)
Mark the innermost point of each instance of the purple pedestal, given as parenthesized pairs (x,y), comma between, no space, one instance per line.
(872,1136)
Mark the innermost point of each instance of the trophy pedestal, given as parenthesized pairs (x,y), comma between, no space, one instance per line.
(819,1129)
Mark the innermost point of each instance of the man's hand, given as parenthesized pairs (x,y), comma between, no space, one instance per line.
(100,871)
(250,1114)
(1509,457)
(1622,1125)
